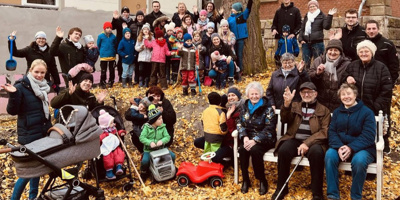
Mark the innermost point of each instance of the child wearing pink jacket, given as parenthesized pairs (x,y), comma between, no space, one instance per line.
(158,56)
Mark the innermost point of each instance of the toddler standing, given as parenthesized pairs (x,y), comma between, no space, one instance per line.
(189,62)
(126,49)
(107,43)
(91,51)
(175,42)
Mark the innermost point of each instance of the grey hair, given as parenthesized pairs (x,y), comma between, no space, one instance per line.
(255,85)
(287,56)
(345,86)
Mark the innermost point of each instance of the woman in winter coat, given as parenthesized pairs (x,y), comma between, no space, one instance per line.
(351,137)
(326,73)
(38,49)
(28,99)
(257,133)
(311,35)
(213,15)
(290,75)
(177,18)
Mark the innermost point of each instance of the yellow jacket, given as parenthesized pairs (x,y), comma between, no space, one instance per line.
(214,123)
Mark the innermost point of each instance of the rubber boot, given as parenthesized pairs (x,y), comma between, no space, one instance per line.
(129,81)
(185,91)
(124,82)
(193,91)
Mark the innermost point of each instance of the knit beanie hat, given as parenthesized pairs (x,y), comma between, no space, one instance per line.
(366,43)
(153,114)
(237,6)
(313,2)
(210,25)
(105,119)
(186,37)
(214,98)
(159,33)
(125,9)
(235,91)
(139,12)
(169,26)
(107,25)
(224,22)
(146,25)
(286,28)
(126,29)
(146,101)
(40,34)
(214,35)
(178,30)
(203,12)
(88,38)
(85,75)
(215,56)
(334,43)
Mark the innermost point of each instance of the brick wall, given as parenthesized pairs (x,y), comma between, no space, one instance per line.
(396,8)
(267,9)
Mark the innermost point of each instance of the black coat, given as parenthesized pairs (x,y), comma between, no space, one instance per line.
(260,125)
(178,21)
(32,52)
(320,23)
(135,29)
(223,49)
(386,53)
(79,97)
(68,54)
(151,17)
(373,82)
(31,123)
(350,39)
(117,25)
(289,15)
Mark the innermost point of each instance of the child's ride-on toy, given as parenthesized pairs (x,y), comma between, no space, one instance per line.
(161,165)
(205,170)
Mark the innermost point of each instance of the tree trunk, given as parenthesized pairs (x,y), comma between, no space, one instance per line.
(254,59)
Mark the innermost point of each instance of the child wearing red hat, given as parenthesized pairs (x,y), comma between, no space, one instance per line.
(107,43)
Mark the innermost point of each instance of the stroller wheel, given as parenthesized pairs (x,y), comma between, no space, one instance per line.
(87,174)
(127,187)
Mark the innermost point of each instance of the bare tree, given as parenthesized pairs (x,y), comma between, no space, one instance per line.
(254,57)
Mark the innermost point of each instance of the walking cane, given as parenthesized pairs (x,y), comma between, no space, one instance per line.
(290,176)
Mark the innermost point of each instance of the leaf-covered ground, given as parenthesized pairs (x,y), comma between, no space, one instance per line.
(188,127)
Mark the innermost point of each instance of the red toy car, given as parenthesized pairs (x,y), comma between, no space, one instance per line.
(205,170)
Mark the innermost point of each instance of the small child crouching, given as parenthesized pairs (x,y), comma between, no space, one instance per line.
(112,153)
(214,123)
(189,61)
(220,67)
(154,135)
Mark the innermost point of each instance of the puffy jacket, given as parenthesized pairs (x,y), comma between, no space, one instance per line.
(159,52)
(144,54)
(32,52)
(354,127)
(79,97)
(278,83)
(150,134)
(174,45)
(189,58)
(31,123)
(289,15)
(214,124)
(135,29)
(350,39)
(68,54)
(151,17)
(320,23)
(286,45)
(92,55)
(107,46)
(373,82)
(260,125)
(319,124)
(327,87)
(387,54)
(136,118)
(127,48)
(238,22)
(202,53)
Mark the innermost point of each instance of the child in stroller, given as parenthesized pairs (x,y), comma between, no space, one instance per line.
(112,153)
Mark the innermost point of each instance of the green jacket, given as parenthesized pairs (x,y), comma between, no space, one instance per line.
(149,134)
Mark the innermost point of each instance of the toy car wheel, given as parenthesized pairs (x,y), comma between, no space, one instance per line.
(183,180)
(216,181)
(127,187)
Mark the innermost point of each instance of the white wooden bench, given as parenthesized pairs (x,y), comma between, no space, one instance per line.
(373,168)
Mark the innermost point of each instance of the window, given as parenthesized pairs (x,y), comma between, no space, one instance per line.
(41,3)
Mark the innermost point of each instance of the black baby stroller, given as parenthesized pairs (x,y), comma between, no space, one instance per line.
(96,164)
(67,145)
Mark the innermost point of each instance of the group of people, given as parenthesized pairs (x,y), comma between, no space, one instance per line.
(352,77)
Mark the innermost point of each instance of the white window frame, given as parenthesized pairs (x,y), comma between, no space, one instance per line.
(56,6)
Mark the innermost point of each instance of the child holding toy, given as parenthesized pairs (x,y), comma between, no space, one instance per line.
(220,69)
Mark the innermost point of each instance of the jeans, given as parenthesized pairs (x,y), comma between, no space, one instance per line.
(145,164)
(231,71)
(359,165)
(223,152)
(20,186)
(239,46)
(127,70)
(311,50)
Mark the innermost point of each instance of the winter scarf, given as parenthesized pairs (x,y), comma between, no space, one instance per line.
(127,20)
(254,107)
(310,19)
(161,43)
(43,48)
(41,89)
(203,23)
(188,46)
(77,44)
(330,67)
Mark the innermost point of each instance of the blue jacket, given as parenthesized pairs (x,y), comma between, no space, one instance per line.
(107,45)
(127,48)
(31,123)
(92,55)
(354,127)
(238,22)
(287,46)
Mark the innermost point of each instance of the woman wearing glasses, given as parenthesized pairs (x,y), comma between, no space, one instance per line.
(290,75)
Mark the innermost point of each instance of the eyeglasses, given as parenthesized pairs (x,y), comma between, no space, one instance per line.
(287,62)
(310,92)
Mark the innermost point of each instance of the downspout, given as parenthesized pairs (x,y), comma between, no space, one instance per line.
(360,8)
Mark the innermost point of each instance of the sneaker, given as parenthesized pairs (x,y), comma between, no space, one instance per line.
(119,170)
(110,175)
